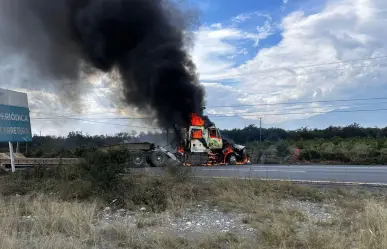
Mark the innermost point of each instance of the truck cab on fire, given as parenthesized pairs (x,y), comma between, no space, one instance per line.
(202,142)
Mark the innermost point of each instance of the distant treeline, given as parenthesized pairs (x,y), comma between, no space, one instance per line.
(75,143)
(252,133)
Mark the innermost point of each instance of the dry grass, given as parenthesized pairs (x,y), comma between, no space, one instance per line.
(371,226)
(62,220)
(43,222)
(46,222)
(149,221)
(256,195)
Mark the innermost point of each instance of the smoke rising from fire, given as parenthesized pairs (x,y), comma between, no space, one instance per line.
(143,40)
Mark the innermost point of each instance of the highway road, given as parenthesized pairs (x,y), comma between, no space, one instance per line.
(315,173)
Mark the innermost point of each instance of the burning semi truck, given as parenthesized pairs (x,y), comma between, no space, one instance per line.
(202,144)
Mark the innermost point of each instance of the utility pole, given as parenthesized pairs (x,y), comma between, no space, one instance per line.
(260,130)
(11,155)
(26,145)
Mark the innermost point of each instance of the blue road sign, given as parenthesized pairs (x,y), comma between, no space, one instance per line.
(15,125)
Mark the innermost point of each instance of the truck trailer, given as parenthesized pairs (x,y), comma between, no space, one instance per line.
(146,154)
(199,144)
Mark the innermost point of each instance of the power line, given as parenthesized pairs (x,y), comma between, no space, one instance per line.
(307,73)
(315,72)
(235,106)
(298,113)
(235,116)
(268,71)
(71,116)
(115,118)
(286,109)
(91,121)
(244,113)
(99,118)
(336,62)
(225,115)
(300,102)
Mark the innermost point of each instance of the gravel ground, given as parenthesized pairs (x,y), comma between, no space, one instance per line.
(192,222)
(314,212)
(202,219)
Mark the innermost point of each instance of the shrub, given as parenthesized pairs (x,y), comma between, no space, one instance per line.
(104,169)
(310,155)
(282,149)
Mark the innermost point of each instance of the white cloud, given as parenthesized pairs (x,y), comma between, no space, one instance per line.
(98,115)
(48,107)
(343,30)
(216,25)
(264,31)
(243,51)
(212,45)
(242,17)
(247,16)
(216,47)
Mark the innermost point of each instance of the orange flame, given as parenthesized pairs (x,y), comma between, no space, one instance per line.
(197,134)
(180,150)
(196,120)
(228,150)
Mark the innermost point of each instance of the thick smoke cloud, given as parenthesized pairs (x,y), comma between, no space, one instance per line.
(143,39)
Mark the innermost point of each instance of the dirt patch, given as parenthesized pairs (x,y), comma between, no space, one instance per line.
(314,212)
(192,223)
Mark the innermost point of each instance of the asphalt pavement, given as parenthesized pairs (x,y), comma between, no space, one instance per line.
(310,173)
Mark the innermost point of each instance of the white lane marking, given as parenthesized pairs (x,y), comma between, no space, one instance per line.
(257,170)
(308,169)
(320,167)
(277,170)
(290,180)
(219,169)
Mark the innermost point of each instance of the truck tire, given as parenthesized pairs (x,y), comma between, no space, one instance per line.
(231,159)
(138,159)
(158,159)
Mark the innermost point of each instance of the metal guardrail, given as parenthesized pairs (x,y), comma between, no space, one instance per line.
(193,160)
(40,161)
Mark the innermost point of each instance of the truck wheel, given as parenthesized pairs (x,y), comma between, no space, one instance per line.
(158,159)
(138,159)
(232,160)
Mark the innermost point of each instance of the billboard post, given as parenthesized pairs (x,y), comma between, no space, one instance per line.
(12,157)
(15,125)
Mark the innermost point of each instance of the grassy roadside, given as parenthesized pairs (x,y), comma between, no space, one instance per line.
(62,209)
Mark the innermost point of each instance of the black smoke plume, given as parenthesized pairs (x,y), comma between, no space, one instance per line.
(143,39)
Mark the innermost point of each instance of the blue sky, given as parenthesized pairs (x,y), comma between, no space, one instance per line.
(220,11)
(217,11)
(256,54)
